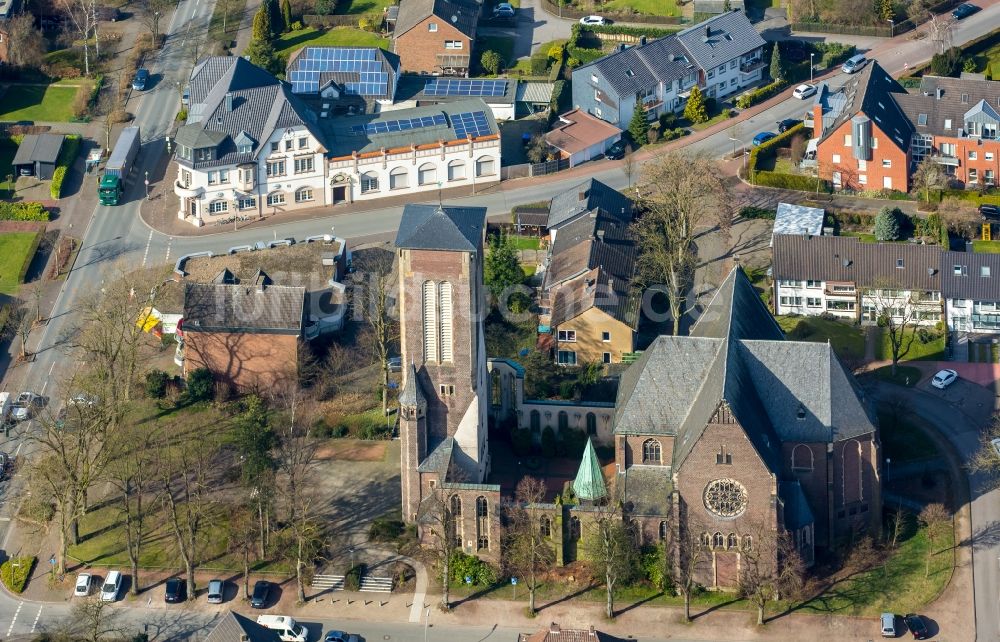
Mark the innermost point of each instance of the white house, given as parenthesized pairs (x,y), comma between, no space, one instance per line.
(971,289)
(851,280)
(249,146)
(412,151)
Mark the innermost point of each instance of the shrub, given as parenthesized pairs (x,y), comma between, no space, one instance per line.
(352,579)
(200,385)
(757,213)
(521,442)
(760,95)
(366,23)
(385,530)
(548,442)
(15,573)
(55,187)
(23,211)
(572,62)
(887,225)
(948,63)
(478,572)
(297,26)
(490,62)
(652,565)
(539,63)
(768,148)
(791,181)
(156,384)
(182,115)
(557,52)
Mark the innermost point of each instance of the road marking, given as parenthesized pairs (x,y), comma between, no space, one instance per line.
(11,629)
(149,242)
(16,452)
(35,623)
(170,240)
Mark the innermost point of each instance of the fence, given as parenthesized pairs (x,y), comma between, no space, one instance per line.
(862,30)
(571,12)
(549,167)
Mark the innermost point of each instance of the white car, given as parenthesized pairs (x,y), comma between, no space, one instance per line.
(944,378)
(111,587)
(593,21)
(84,581)
(803,91)
(25,406)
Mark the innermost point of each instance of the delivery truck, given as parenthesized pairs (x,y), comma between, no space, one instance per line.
(111,190)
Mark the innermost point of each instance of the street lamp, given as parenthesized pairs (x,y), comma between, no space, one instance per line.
(147,184)
(887,462)
(811,66)
(743,147)
(892,28)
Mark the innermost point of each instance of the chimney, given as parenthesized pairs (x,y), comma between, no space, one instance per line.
(642,40)
(582,195)
(817,121)
(229,101)
(938,92)
(708,31)
(244,637)
(554,628)
(600,235)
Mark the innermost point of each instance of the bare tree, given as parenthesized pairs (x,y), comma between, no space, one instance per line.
(131,472)
(928,175)
(23,329)
(629,166)
(896,311)
(684,555)
(184,476)
(372,300)
(82,15)
(960,216)
(680,193)
(243,540)
(986,460)
(94,619)
(940,32)
(770,567)
(152,11)
(528,551)
(611,548)
(26,46)
(936,519)
(436,516)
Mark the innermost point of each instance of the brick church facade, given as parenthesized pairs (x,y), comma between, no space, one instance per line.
(732,431)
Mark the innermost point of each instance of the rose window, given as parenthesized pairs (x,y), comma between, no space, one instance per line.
(726,497)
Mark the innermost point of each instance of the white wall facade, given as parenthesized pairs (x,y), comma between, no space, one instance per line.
(415,171)
(977,317)
(212,194)
(731,77)
(844,301)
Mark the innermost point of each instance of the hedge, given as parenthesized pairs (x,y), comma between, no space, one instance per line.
(55,187)
(618,30)
(768,147)
(15,578)
(791,181)
(758,95)
(758,213)
(970,195)
(23,211)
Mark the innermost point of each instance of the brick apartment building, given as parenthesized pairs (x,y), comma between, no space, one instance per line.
(871,134)
(436,36)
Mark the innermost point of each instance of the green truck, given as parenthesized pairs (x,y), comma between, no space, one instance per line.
(111,189)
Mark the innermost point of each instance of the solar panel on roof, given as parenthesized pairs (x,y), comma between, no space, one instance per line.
(372,80)
(402,124)
(464,87)
(471,123)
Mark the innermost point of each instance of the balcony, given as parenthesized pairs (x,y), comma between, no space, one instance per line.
(750,66)
(940,159)
(186,191)
(845,294)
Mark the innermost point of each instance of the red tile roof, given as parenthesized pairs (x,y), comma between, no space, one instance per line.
(579,130)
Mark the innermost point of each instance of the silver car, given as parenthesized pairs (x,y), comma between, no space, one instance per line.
(25,406)
(216,589)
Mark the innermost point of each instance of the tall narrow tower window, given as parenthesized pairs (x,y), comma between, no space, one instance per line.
(446,312)
(430,322)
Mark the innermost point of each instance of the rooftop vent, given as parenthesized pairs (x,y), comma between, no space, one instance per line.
(801,412)
(965,99)
(846,263)
(600,235)
(938,92)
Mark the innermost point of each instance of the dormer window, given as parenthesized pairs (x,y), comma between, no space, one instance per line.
(899,264)
(203,154)
(183,151)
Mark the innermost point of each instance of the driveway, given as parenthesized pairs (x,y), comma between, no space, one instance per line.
(534,28)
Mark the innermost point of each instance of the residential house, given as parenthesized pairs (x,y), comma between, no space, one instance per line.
(797,219)
(412,151)
(956,122)
(347,79)
(249,145)
(970,285)
(722,55)
(592,303)
(436,36)
(862,137)
(234,627)
(852,280)
(37,155)
(579,137)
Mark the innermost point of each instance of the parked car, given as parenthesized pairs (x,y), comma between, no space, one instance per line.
(25,406)
(261,591)
(593,21)
(788,123)
(763,137)
(854,64)
(964,11)
(888,625)
(141,78)
(916,625)
(395,364)
(111,587)
(174,591)
(216,591)
(503,10)
(616,151)
(186,96)
(944,378)
(803,91)
(84,581)
(340,636)
(990,212)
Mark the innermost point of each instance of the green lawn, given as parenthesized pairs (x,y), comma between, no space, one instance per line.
(526,242)
(16,251)
(847,339)
(648,7)
(346,7)
(906,376)
(335,37)
(503,45)
(933,350)
(529,270)
(986,247)
(864,237)
(989,57)
(27,102)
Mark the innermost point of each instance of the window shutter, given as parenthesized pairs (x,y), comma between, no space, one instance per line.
(430,323)
(446,321)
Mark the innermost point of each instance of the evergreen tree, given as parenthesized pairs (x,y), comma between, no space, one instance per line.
(695,110)
(261,25)
(776,71)
(727,6)
(286,14)
(884,9)
(490,62)
(638,127)
(887,225)
(277,21)
(502,268)
(262,54)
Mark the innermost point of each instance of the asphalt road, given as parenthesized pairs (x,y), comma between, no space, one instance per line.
(116,234)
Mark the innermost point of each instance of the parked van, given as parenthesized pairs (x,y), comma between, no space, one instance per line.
(853,64)
(286,627)
(111,587)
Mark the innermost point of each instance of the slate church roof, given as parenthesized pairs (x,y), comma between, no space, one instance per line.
(736,358)
(433,227)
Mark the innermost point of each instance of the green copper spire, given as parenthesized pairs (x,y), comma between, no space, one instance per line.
(589,482)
